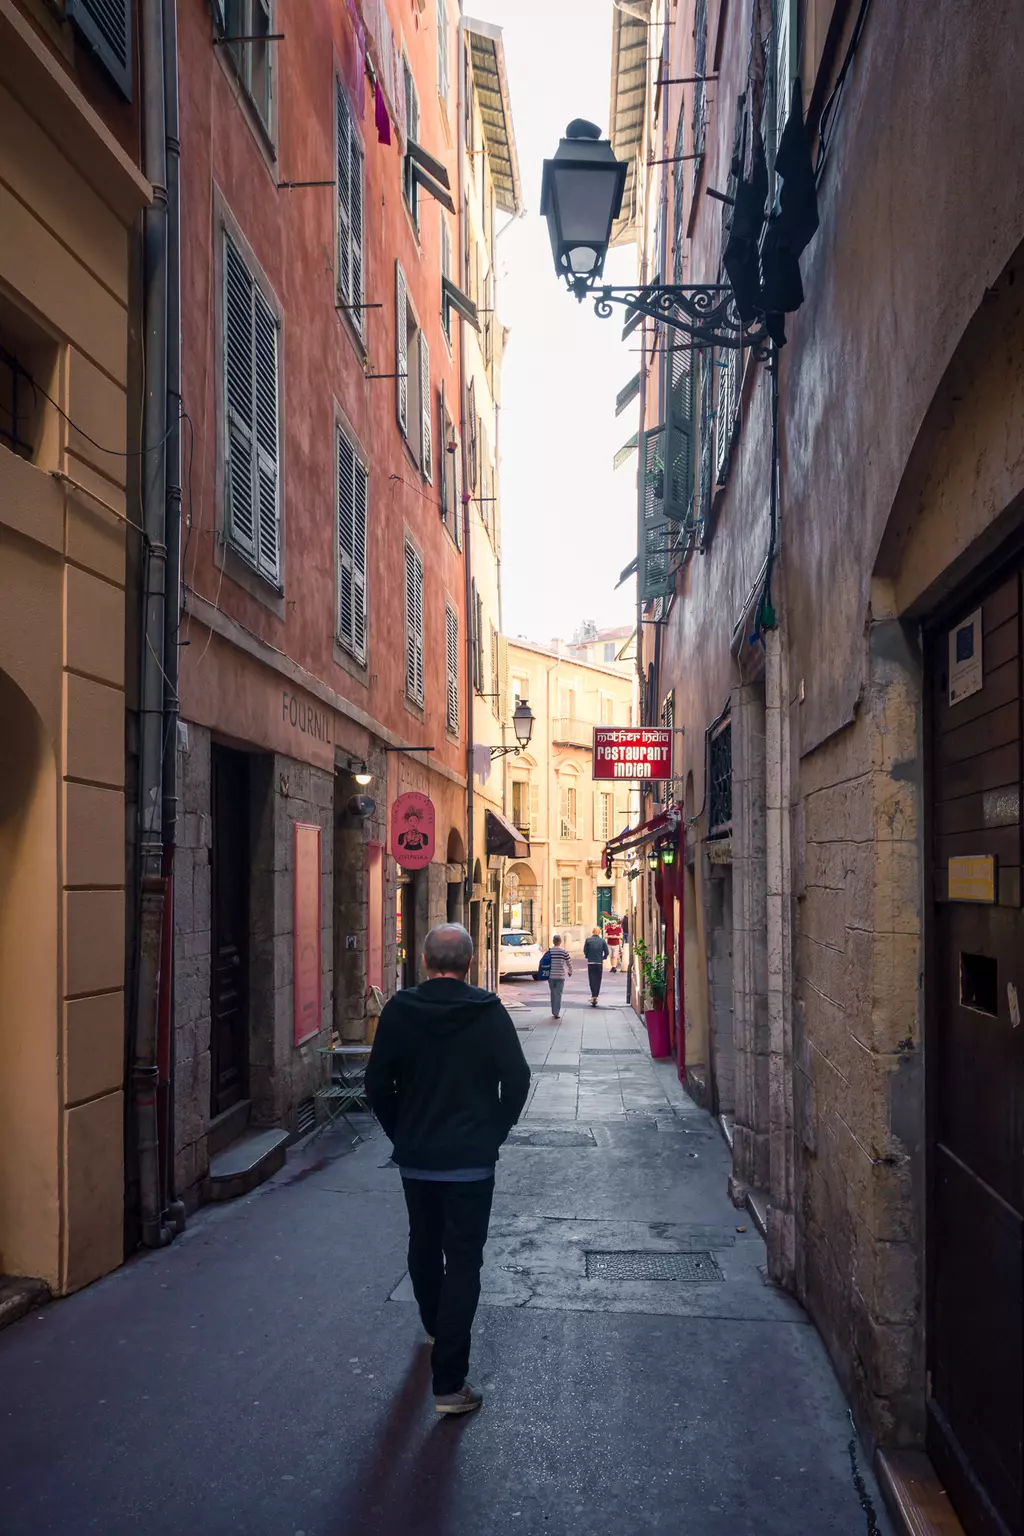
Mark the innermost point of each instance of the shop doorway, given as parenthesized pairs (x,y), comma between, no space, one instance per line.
(604,904)
(229,975)
(975,1044)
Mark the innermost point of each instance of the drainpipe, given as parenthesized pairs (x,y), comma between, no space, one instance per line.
(144,1059)
(172,608)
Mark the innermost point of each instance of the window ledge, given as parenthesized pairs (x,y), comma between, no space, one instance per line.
(239,570)
(356,669)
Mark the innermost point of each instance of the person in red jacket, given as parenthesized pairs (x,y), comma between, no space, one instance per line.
(613,938)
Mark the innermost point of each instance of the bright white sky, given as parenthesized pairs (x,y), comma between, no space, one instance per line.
(568,519)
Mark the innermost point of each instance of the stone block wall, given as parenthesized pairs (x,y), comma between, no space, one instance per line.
(858,1083)
(750,949)
(351,894)
(284,791)
(192,958)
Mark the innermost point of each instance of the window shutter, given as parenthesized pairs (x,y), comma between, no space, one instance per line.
(265,353)
(401,350)
(451,635)
(459,510)
(597,815)
(678,458)
(579,901)
(471,429)
(427,445)
(723,412)
(653,569)
(352,498)
(556,903)
(413,624)
(563,807)
(503,695)
(344,197)
(238,395)
(785,67)
(356,233)
(534,810)
(442,50)
(106,25)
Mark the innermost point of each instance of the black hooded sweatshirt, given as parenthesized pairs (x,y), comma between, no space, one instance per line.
(447,1078)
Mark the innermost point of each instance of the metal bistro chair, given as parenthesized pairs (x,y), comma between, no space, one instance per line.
(347,1088)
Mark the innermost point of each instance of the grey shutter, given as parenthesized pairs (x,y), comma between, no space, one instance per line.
(352,488)
(579,901)
(238,397)
(401,349)
(725,410)
(534,810)
(444,487)
(442,50)
(626,394)
(413,624)
(458,509)
(471,420)
(451,636)
(106,25)
(653,570)
(679,433)
(265,356)
(426,439)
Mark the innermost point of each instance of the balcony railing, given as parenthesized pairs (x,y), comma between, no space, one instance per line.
(567,731)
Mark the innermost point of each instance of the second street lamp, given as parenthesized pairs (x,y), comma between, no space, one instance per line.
(580,197)
(522,724)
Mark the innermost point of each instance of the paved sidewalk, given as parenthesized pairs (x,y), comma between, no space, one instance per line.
(266,1373)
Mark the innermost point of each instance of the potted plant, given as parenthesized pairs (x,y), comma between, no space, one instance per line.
(652,970)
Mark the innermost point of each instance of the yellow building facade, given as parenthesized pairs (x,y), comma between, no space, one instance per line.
(70,195)
(568,817)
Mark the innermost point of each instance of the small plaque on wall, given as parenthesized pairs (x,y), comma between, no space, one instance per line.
(973,878)
(965,670)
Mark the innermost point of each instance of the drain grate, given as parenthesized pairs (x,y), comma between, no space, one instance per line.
(634,1264)
(552,1138)
(614,1050)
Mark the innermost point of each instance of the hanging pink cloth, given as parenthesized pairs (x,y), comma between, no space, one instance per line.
(380,115)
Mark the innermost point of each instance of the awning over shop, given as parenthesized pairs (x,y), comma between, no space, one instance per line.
(503,839)
(643,832)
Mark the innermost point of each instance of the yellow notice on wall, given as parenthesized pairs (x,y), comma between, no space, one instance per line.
(972,878)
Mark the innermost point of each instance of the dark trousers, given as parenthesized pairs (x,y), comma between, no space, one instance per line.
(447,1233)
(595,972)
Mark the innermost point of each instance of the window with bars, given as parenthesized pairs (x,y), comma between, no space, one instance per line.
(443,76)
(251,425)
(350,212)
(569,901)
(720,781)
(253,58)
(700,90)
(451,651)
(413,624)
(352,512)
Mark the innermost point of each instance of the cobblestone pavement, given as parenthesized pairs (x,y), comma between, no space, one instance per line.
(266,1373)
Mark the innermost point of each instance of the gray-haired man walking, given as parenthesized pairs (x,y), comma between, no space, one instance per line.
(447,1079)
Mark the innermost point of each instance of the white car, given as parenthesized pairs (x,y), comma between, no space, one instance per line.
(520,953)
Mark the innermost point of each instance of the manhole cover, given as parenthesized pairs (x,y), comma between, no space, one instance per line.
(552,1138)
(614,1050)
(636,1265)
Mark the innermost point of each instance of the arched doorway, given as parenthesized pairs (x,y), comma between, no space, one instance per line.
(29,1046)
(455,856)
(521,898)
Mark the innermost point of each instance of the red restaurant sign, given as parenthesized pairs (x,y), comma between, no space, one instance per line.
(412,830)
(636,752)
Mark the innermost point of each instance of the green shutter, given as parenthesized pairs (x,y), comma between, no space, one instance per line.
(679,433)
(654,577)
(106,25)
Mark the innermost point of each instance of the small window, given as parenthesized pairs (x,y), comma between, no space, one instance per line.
(451,636)
(350,213)
(413,624)
(251,21)
(352,500)
(251,425)
(29,386)
(720,781)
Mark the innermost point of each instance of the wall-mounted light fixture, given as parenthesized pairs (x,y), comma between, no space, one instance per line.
(359,771)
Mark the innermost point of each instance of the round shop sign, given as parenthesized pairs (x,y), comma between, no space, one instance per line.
(412,830)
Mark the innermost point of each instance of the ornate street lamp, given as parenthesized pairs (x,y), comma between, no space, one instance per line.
(522,724)
(581,194)
(580,197)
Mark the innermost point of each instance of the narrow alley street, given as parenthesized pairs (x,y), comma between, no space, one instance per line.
(266,1374)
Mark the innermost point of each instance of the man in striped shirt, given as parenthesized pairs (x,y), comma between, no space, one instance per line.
(561,967)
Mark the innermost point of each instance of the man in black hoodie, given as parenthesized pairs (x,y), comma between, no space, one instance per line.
(447,1079)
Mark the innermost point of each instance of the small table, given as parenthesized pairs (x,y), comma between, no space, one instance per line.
(347,1088)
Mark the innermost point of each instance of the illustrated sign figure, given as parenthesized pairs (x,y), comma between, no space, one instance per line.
(412,830)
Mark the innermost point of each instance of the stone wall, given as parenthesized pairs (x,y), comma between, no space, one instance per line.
(750,950)
(858,1085)
(192,952)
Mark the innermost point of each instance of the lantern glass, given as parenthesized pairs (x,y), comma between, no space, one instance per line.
(522,723)
(581,195)
(652,860)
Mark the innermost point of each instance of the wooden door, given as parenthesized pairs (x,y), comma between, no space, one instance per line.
(976,1068)
(229,1029)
